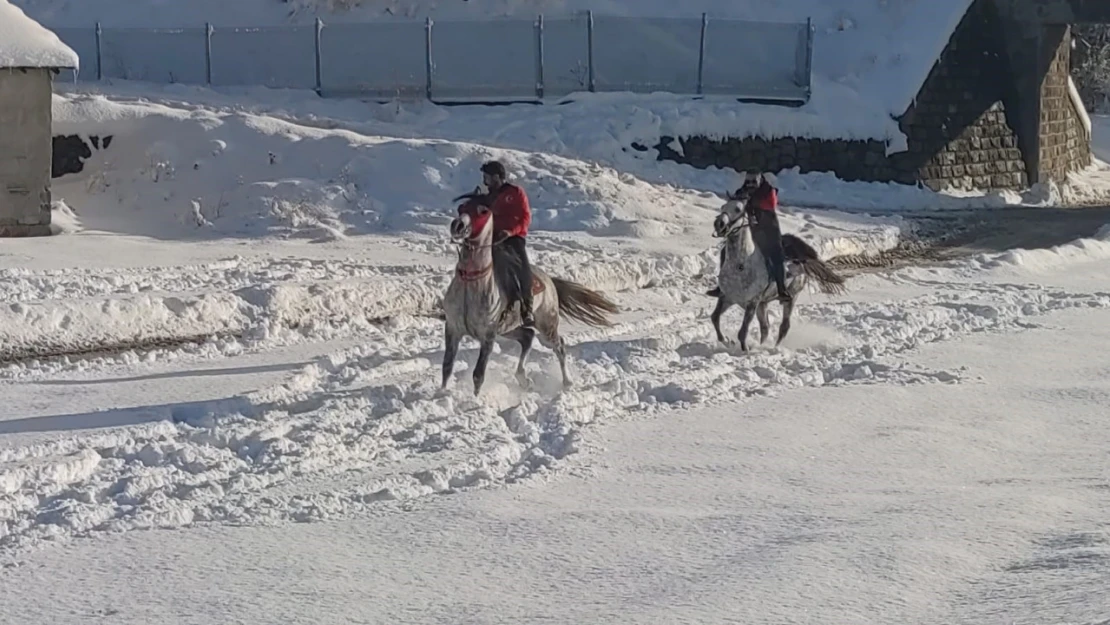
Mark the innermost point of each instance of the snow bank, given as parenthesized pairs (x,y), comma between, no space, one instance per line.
(25,43)
(189,171)
(1032,262)
(598,128)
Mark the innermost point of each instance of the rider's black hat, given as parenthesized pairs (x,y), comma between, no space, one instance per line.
(494,168)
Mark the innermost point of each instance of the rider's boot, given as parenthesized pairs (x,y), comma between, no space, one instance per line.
(527,321)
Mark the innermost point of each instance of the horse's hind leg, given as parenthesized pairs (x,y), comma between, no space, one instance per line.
(764,324)
(784,327)
(450,350)
(742,336)
(480,366)
(560,349)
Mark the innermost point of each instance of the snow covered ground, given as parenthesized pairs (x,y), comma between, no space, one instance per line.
(928,449)
(245,290)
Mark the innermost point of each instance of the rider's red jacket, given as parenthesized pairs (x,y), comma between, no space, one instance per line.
(765,198)
(511,212)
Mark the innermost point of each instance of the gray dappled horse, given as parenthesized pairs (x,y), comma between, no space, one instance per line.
(475,303)
(744,280)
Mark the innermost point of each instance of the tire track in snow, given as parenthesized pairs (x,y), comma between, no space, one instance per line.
(366,426)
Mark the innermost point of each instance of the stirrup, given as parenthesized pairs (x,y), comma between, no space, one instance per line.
(528,321)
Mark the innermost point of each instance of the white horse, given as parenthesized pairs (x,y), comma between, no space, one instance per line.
(475,304)
(744,280)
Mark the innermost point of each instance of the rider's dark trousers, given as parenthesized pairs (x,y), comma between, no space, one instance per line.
(768,238)
(515,275)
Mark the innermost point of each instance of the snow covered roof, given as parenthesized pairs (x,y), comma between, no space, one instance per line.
(26,43)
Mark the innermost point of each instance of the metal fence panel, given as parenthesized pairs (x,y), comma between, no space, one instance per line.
(494,58)
(382,59)
(754,59)
(83,42)
(480,59)
(646,54)
(565,55)
(282,57)
(154,55)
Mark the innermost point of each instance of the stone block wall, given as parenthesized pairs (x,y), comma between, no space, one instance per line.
(960,134)
(994,113)
(1064,144)
(851,160)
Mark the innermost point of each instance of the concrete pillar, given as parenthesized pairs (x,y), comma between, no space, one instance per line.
(25,151)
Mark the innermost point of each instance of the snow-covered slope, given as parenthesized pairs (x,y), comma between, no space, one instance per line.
(881,49)
(209,174)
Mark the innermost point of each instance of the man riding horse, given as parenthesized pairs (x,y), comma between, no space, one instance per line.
(761,201)
(511,217)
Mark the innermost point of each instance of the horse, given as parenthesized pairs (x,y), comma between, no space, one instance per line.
(744,280)
(475,302)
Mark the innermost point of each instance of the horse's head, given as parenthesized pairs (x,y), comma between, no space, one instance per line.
(732,216)
(474,217)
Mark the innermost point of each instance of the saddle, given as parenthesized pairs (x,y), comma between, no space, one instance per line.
(502,276)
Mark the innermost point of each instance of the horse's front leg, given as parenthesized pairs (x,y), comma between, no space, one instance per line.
(451,340)
(764,323)
(722,306)
(749,312)
(480,366)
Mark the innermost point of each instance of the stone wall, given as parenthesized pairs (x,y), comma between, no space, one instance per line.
(25,119)
(1064,144)
(983,119)
(960,133)
(851,160)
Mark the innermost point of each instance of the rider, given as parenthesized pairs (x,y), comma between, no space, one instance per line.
(762,200)
(511,217)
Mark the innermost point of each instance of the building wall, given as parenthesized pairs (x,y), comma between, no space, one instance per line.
(994,113)
(25,140)
(1064,144)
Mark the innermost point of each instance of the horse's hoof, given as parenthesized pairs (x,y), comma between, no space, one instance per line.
(567,385)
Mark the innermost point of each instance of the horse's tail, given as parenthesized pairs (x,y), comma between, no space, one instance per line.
(582,304)
(797,250)
(828,281)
